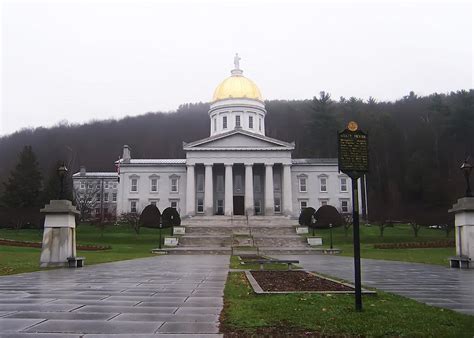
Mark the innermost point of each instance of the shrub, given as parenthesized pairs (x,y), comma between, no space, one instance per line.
(150,217)
(306,216)
(170,218)
(327,215)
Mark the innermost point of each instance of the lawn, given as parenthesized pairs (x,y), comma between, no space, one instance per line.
(125,244)
(370,235)
(297,314)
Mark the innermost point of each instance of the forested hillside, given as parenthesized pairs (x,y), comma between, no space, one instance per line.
(417,144)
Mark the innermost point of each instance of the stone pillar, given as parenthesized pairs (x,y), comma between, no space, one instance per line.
(287,193)
(190,191)
(208,191)
(464,226)
(249,202)
(269,196)
(59,236)
(229,191)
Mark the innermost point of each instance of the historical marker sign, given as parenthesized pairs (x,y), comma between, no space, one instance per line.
(353,147)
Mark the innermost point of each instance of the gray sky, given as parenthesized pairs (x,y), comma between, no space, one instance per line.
(97,59)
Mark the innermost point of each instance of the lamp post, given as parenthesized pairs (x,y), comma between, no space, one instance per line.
(62,172)
(466,167)
(330,235)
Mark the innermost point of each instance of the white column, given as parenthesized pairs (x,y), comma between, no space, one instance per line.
(287,195)
(269,198)
(249,203)
(190,191)
(229,191)
(208,191)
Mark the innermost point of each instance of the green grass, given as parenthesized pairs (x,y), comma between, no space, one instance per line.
(123,240)
(383,315)
(369,235)
(235,264)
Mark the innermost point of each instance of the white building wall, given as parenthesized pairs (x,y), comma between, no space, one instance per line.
(144,196)
(313,195)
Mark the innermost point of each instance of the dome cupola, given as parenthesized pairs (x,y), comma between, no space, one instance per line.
(237,103)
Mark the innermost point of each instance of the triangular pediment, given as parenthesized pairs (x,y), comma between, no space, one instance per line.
(239,140)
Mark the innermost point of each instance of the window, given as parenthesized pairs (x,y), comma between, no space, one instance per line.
(303,205)
(220,207)
(224,122)
(154,185)
(260,124)
(343,184)
(174,184)
(323,184)
(276,181)
(324,202)
(251,122)
(97,196)
(133,206)
(237,121)
(134,185)
(200,205)
(106,197)
(114,197)
(97,211)
(174,204)
(200,183)
(220,183)
(344,206)
(98,185)
(106,211)
(114,185)
(106,185)
(257,183)
(277,204)
(258,207)
(83,185)
(153,202)
(89,186)
(238,183)
(302,184)
(215,123)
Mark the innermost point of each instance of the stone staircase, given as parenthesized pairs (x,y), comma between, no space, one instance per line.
(236,234)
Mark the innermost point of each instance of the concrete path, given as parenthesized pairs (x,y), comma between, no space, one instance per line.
(166,296)
(431,284)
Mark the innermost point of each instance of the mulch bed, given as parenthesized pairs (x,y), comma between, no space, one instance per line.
(414,245)
(295,281)
(26,244)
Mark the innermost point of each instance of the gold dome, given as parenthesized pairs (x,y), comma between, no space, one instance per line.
(237,86)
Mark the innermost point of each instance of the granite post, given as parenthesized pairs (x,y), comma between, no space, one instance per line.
(59,236)
(464,229)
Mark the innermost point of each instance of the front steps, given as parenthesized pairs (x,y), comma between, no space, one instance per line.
(234,234)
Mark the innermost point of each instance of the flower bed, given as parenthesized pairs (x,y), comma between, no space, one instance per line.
(26,244)
(414,245)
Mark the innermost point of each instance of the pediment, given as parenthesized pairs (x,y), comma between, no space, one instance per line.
(239,140)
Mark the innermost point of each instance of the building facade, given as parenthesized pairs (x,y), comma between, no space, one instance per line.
(237,170)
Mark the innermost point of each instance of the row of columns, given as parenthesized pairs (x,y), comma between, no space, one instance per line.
(229,190)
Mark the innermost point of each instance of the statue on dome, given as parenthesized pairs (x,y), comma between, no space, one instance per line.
(237,61)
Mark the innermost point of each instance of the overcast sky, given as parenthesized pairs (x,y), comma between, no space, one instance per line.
(97,59)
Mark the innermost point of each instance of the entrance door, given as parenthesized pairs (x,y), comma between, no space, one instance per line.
(239,205)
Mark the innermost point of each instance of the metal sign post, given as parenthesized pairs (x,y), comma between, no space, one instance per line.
(353,160)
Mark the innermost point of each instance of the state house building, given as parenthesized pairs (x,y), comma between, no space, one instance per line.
(237,170)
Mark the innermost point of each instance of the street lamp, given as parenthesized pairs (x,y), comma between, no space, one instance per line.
(62,172)
(466,167)
(330,235)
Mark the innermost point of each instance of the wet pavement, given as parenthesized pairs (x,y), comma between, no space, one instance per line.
(431,284)
(166,296)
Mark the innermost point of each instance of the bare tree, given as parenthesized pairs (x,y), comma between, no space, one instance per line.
(416,227)
(132,219)
(86,199)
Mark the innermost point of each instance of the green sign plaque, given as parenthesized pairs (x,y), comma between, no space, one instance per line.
(353,147)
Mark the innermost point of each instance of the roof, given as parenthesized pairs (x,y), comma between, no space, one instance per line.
(153,161)
(97,174)
(314,161)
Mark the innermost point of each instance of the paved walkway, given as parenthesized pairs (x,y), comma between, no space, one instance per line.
(174,294)
(430,284)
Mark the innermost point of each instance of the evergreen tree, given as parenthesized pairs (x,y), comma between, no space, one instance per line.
(24,184)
